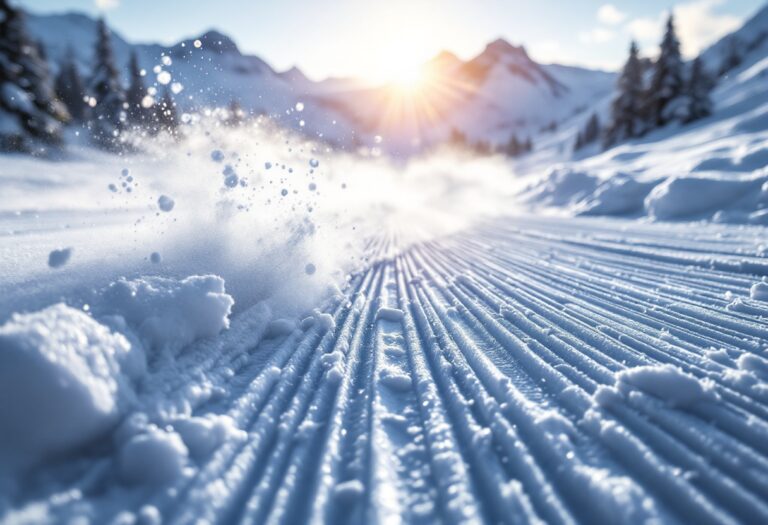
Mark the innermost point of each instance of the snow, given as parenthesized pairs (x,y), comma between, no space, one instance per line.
(394,315)
(153,457)
(165,203)
(202,435)
(759,291)
(666,382)
(442,338)
(169,313)
(60,257)
(60,383)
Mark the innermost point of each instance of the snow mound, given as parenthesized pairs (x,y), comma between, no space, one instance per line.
(619,195)
(759,291)
(679,197)
(155,457)
(202,435)
(560,187)
(666,382)
(167,312)
(60,382)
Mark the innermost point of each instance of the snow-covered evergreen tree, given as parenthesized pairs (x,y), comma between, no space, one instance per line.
(28,105)
(108,114)
(664,98)
(137,113)
(626,110)
(698,87)
(70,89)
(590,133)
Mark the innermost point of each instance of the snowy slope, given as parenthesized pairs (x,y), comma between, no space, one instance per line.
(523,371)
(715,168)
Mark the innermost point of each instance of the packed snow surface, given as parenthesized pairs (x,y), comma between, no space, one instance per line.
(521,369)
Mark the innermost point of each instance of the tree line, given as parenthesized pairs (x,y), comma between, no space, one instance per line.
(651,95)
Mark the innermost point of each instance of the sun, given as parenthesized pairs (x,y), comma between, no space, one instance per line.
(401,66)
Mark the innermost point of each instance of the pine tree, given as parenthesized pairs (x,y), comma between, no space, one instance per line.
(667,82)
(71,90)
(697,92)
(512,148)
(592,129)
(579,143)
(27,99)
(136,113)
(626,109)
(109,112)
(528,145)
(457,138)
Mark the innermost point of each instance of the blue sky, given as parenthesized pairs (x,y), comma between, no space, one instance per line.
(366,38)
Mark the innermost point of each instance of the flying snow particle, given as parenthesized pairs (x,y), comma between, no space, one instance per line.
(283,192)
(125,172)
(312,186)
(112,188)
(147,102)
(231,181)
(299,106)
(166,60)
(177,88)
(164,77)
(217,155)
(165,203)
(314,163)
(310,269)
(267,165)
(155,258)
(198,44)
(58,258)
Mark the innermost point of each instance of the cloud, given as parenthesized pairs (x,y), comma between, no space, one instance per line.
(698,25)
(610,15)
(597,35)
(647,30)
(104,5)
(546,50)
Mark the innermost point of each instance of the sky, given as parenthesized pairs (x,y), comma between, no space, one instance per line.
(375,39)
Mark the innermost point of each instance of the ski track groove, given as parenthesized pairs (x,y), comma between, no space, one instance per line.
(492,396)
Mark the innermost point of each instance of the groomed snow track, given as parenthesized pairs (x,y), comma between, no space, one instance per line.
(479,378)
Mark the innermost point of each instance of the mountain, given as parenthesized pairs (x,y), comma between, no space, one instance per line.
(495,94)
(499,92)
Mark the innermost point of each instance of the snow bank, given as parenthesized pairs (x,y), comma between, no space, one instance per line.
(560,187)
(169,312)
(619,195)
(666,382)
(680,197)
(585,193)
(60,382)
